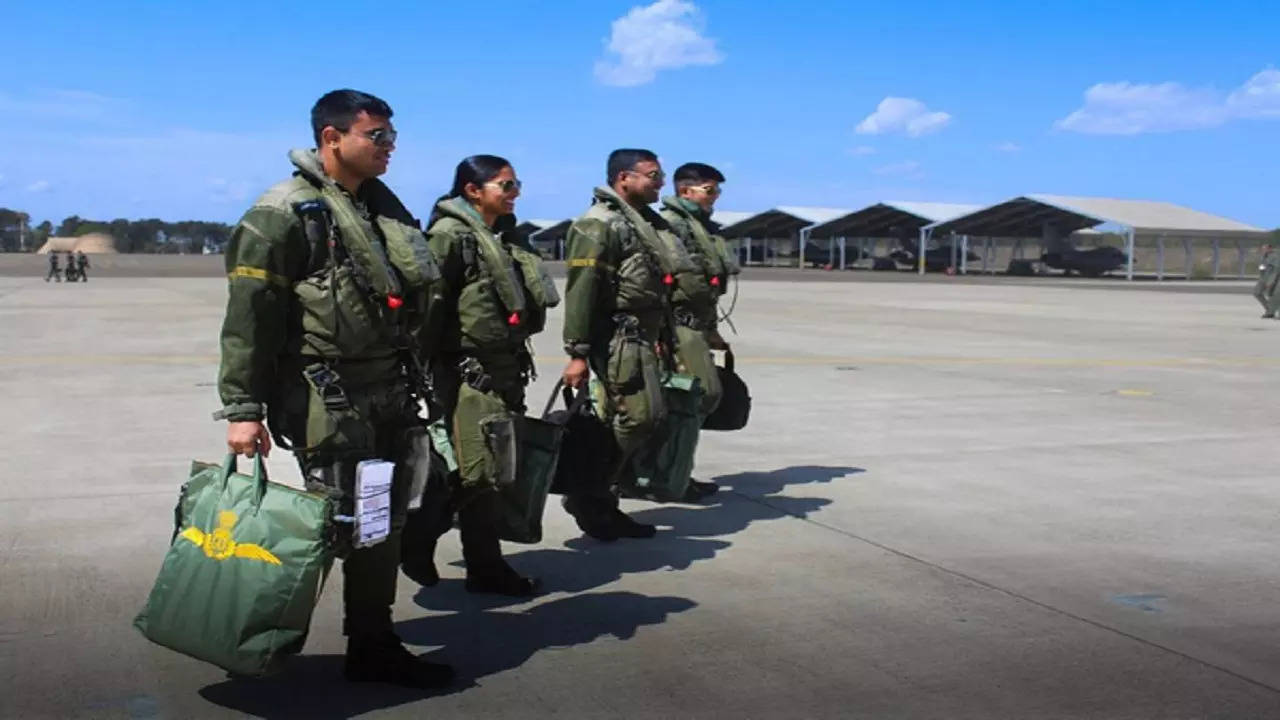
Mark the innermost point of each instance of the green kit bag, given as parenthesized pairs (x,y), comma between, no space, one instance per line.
(243,572)
(663,473)
(524,500)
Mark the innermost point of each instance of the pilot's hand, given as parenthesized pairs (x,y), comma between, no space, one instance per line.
(575,373)
(244,438)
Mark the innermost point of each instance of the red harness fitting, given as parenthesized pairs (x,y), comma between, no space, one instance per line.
(667,279)
(715,281)
(394,302)
(514,319)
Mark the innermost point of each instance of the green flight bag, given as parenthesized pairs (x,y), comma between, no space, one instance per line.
(663,473)
(524,500)
(244,569)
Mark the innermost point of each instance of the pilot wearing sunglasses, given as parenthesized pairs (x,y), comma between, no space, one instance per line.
(329,279)
(696,292)
(495,293)
(621,264)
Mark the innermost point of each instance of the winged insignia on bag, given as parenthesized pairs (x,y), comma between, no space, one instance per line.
(219,545)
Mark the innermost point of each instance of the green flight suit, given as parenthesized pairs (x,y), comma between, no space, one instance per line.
(494,297)
(320,279)
(622,262)
(1267,289)
(697,291)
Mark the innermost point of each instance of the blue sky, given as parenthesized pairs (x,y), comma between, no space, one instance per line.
(185,112)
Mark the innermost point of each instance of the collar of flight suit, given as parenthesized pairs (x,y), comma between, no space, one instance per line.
(649,228)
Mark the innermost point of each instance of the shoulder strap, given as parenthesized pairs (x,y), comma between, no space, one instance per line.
(489,257)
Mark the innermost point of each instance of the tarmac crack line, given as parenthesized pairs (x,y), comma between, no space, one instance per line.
(1013,594)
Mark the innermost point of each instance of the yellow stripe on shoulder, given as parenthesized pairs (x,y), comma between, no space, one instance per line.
(244,271)
(582,262)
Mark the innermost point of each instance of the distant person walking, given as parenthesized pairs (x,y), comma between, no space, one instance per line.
(54,271)
(1267,289)
(82,264)
(69,274)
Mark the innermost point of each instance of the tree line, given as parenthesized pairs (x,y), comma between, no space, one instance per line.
(150,235)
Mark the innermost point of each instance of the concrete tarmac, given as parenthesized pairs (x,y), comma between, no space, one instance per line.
(952,501)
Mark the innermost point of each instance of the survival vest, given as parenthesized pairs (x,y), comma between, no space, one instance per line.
(354,306)
(652,256)
(507,289)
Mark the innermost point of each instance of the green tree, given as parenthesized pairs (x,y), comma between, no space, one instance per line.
(68,226)
(40,235)
(151,235)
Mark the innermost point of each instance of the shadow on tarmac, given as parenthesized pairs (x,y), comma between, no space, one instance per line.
(685,536)
(311,687)
(480,639)
(477,643)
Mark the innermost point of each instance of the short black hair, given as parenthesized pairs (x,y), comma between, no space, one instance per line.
(690,173)
(624,159)
(339,108)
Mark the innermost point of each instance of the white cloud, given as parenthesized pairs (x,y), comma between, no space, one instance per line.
(662,36)
(904,168)
(1009,146)
(39,186)
(1259,97)
(903,115)
(1123,108)
(862,150)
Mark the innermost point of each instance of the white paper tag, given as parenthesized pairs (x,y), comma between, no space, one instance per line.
(373,502)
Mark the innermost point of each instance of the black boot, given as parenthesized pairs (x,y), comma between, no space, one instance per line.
(422,528)
(381,658)
(421,567)
(594,517)
(698,490)
(487,572)
(625,526)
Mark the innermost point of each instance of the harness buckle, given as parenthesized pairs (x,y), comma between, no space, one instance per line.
(326,381)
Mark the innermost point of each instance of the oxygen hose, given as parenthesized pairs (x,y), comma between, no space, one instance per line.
(732,304)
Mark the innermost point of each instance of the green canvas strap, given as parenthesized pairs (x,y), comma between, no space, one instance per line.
(259,475)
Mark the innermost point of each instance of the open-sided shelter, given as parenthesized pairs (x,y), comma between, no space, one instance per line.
(1053,218)
(724,218)
(548,237)
(781,227)
(899,221)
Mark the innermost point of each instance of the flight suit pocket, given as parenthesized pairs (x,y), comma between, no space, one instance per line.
(652,377)
(625,373)
(335,314)
(500,441)
(337,432)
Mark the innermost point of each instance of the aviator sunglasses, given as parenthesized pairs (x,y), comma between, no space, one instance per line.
(506,186)
(382,137)
(652,174)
